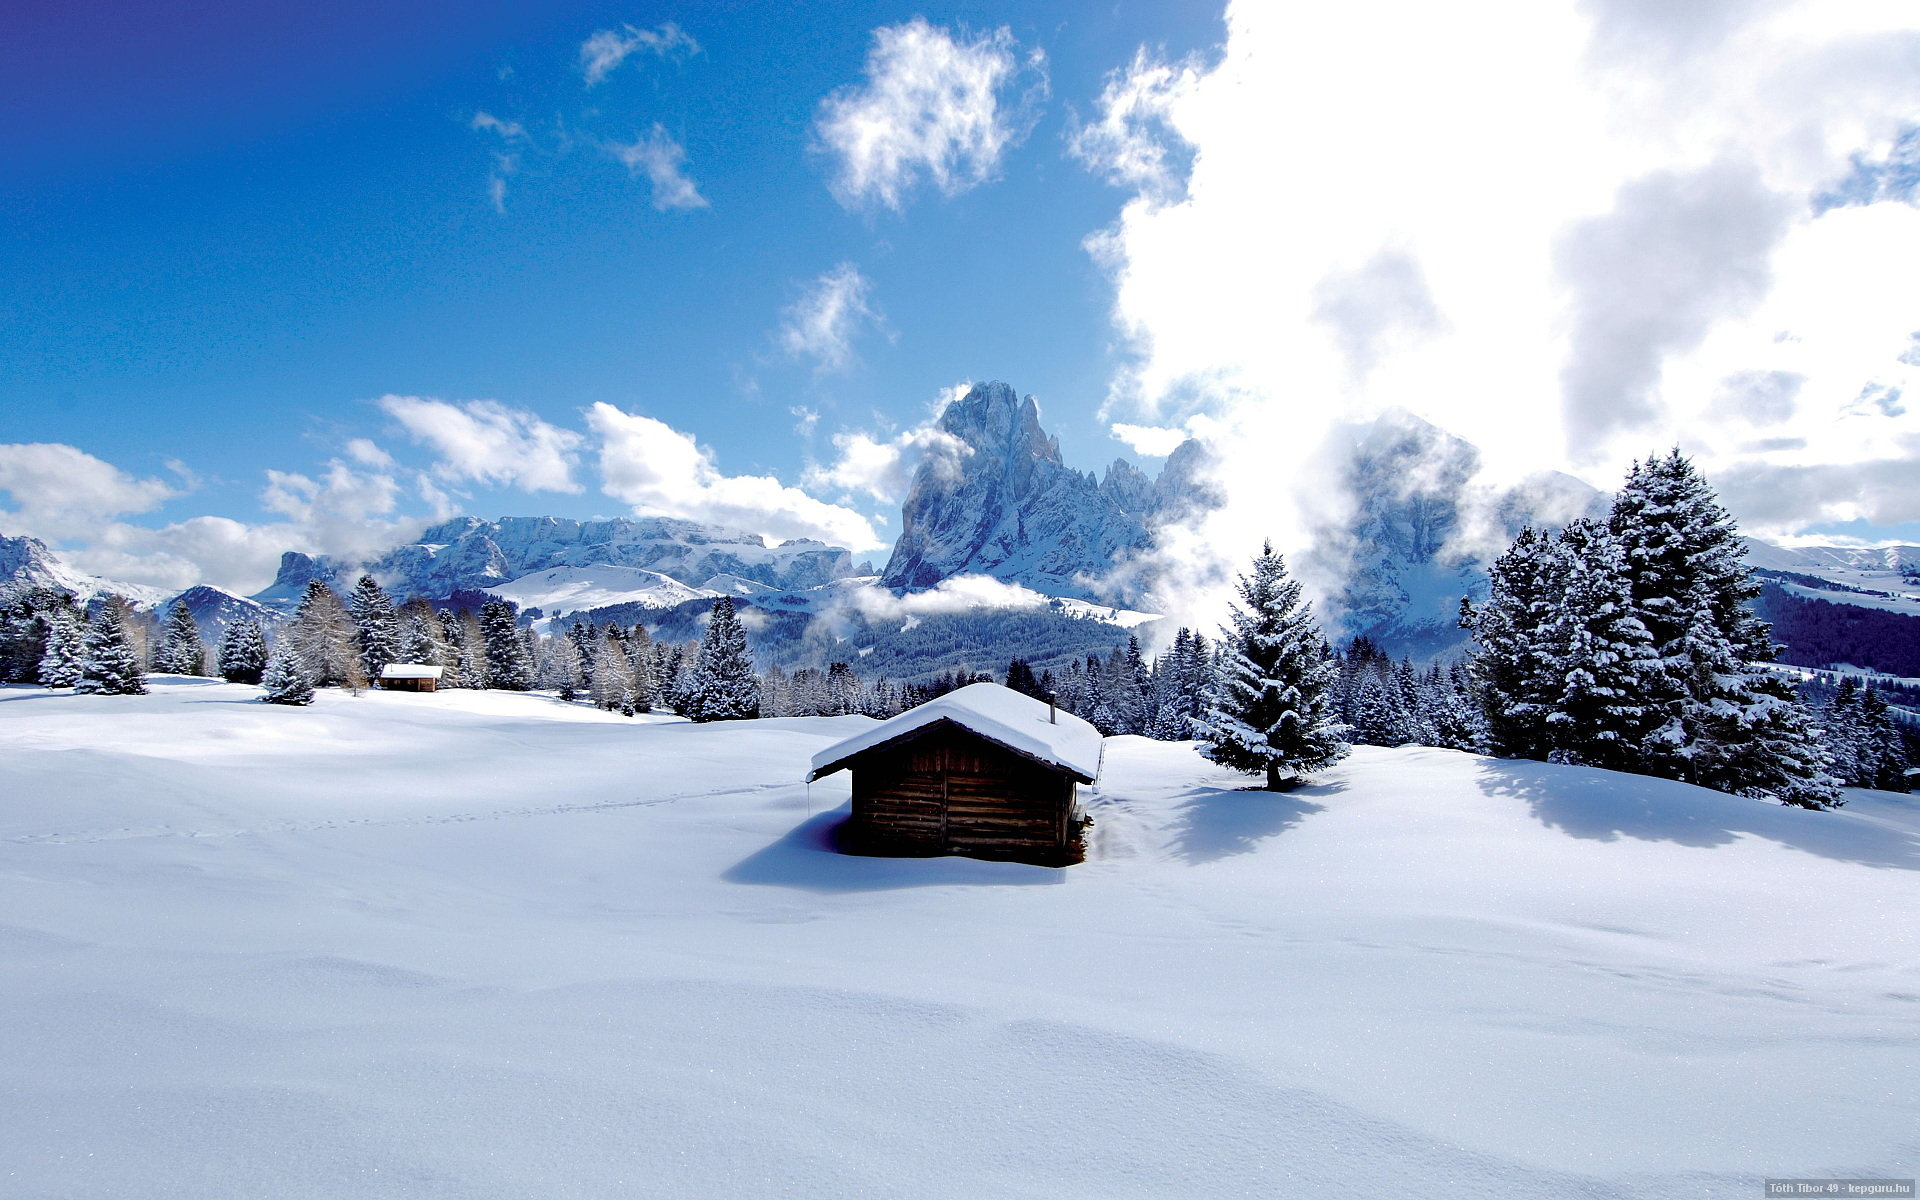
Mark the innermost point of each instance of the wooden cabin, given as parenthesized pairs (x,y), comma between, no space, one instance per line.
(983,771)
(409,677)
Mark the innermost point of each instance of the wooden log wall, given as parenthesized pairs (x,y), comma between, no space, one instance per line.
(949,792)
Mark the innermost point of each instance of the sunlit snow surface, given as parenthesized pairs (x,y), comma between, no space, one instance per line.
(468,945)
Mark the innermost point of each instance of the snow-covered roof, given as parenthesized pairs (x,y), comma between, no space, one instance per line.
(409,671)
(1000,715)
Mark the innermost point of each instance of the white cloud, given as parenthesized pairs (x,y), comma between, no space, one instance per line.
(602,54)
(660,158)
(931,107)
(487,442)
(822,324)
(663,472)
(58,491)
(1558,229)
(1151,440)
(960,593)
(1133,142)
(368,454)
(486,122)
(71,500)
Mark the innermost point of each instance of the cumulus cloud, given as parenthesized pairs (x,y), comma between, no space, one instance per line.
(883,467)
(822,324)
(931,107)
(1150,440)
(602,54)
(58,491)
(487,442)
(660,159)
(663,472)
(960,593)
(73,501)
(1648,280)
(1558,229)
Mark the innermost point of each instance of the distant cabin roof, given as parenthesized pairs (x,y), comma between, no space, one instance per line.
(410,671)
(1000,715)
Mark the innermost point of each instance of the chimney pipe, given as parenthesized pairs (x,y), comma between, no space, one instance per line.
(1052,719)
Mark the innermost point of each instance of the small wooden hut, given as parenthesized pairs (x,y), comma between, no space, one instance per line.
(983,771)
(409,677)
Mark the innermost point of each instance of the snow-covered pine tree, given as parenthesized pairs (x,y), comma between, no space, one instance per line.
(776,693)
(639,647)
(1511,665)
(62,660)
(1272,714)
(322,633)
(724,686)
(1449,713)
(1726,722)
(612,676)
(470,650)
(376,626)
(286,679)
(1377,718)
(509,667)
(557,666)
(243,651)
(1600,651)
(181,651)
(1840,731)
(1882,757)
(110,665)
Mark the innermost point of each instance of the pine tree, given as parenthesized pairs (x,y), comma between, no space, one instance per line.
(322,632)
(243,651)
(110,666)
(1601,652)
(509,667)
(724,687)
(62,660)
(470,649)
(1273,713)
(1840,716)
(1021,679)
(376,626)
(640,660)
(181,651)
(612,676)
(1882,759)
(286,679)
(1513,669)
(1724,720)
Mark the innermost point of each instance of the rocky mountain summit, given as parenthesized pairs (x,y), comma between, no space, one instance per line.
(1005,504)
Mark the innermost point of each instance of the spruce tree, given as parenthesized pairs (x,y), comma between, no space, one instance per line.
(1724,720)
(1600,651)
(1273,713)
(286,679)
(376,626)
(243,651)
(724,686)
(1512,664)
(613,677)
(110,665)
(1882,761)
(181,651)
(1020,678)
(62,659)
(509,666)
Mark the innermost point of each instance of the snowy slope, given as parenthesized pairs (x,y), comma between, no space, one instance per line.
(558,591)
(479,944)
(1882,577)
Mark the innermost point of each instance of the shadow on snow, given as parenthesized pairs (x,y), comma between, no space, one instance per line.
(1210,824)
(1587,802)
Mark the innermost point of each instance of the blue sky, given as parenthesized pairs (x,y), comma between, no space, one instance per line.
(231,234)
(277,277)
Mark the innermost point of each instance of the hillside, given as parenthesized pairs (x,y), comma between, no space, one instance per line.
(488,944)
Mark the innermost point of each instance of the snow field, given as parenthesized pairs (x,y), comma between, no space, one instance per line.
(485,944)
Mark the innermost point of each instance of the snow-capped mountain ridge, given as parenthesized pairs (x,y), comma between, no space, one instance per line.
(470,554)
(27,562)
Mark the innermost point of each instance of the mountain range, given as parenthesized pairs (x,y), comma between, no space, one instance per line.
(994,497)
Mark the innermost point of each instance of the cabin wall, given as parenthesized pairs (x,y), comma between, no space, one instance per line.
(948,792)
